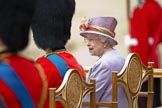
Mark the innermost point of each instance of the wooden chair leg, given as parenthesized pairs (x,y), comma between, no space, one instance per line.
(51,97)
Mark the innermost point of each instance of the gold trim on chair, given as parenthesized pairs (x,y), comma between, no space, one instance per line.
(157,73)
(131,77)
(70,92)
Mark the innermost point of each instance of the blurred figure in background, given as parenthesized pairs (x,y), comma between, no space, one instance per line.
(143,27)
(22,82)
(51,28)
(99,36)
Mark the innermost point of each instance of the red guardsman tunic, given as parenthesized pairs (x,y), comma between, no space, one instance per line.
(23,83)
(143,27)
(55,66)
(157,40)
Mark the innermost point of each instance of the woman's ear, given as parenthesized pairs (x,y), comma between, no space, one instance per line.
(106,43)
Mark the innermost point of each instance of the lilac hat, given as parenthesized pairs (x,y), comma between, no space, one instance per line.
(104,26)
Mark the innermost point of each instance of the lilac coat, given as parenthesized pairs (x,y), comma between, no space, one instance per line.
(102,71)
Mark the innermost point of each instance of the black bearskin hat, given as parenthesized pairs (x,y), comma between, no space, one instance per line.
(15,19)
(51,23)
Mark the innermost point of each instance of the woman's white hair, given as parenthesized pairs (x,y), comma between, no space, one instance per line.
(104,39)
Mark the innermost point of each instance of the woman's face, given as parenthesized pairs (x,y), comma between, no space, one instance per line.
(95,46)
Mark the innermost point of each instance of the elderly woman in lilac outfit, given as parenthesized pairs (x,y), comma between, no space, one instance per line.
(98,33)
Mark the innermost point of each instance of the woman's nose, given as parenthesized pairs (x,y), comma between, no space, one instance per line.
(88,44)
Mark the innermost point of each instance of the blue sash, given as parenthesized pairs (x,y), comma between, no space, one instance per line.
(10,77)
(59,63)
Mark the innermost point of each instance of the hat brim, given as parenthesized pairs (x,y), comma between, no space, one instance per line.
(83,33)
